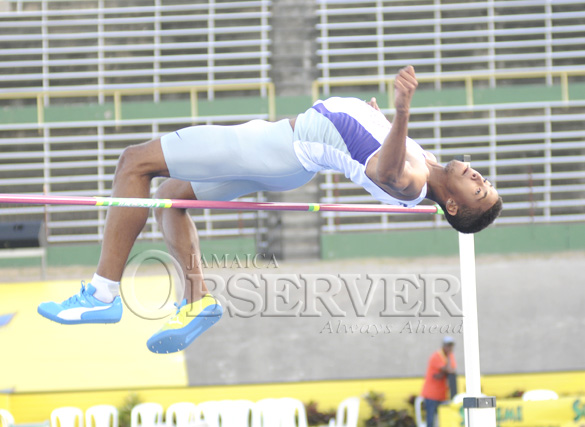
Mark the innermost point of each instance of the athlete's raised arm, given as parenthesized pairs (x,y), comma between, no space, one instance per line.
(392,168)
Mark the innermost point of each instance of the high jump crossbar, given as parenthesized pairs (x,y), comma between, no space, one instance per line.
(206,204)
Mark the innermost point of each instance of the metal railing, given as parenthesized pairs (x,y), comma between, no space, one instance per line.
(118,94)
(49,45)
(80,158)
(533,153)
(376,37)
(468,79)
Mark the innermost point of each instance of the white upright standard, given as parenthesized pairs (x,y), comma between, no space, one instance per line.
(480,411)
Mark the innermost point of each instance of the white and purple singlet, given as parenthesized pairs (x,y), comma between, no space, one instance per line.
(342,134)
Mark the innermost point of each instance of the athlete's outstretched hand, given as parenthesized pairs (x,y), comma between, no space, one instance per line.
(404,85)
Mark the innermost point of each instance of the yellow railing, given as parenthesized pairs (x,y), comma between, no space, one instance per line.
(118,94)
(467,78)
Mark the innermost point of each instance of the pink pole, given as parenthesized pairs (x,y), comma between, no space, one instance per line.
(205,204)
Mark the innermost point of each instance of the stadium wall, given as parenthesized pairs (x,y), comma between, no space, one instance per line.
(536,238)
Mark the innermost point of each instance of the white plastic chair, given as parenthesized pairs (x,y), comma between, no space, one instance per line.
(208,413)
(101,416)
(283,412)
(347,414)
(238,413)
(6,418)
(146,415)
(291,409)
(418,402)
(535,395)
(181,414)
(67,416)
(269,413)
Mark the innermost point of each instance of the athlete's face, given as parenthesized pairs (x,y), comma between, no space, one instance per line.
(468,188)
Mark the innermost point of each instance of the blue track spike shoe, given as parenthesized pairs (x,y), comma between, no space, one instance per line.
(82,308)
(190,321)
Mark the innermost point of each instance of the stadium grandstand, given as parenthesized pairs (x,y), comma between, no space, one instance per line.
(82,80)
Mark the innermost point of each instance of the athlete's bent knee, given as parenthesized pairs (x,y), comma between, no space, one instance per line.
(129,161)
(142,159)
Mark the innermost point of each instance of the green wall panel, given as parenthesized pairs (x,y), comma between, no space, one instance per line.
(444,242)
(286,106)
(522,239)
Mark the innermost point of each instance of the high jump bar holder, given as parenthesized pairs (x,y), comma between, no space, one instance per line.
(479,410)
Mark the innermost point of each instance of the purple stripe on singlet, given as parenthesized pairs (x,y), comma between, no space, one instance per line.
(359,142)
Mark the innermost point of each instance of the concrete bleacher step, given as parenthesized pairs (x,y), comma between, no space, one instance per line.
(293,46)
(145,50)
(301,231)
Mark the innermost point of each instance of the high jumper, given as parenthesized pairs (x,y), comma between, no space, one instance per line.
(220,163)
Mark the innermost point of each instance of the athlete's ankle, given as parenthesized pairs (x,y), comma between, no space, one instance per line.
(105,290)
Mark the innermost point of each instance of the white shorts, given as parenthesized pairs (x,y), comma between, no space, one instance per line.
(225,162)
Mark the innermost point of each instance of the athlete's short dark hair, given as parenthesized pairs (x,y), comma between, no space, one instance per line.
(471,220)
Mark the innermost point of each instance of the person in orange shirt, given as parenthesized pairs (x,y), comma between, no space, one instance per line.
(435,389)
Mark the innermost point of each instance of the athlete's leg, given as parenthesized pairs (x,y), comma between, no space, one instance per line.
(179,231)
(181,236)
(100,302)
(136,167)
(200,310)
